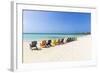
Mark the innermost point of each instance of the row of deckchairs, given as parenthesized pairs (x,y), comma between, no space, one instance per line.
(51,43)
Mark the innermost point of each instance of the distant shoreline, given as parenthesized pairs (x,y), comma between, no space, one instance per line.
(85,33)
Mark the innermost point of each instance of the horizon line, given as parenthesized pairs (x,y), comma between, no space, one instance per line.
(61,33)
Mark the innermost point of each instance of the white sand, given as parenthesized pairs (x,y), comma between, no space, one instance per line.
(73,51)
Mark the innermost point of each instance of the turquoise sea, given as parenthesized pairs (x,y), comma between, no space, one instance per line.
(39,36)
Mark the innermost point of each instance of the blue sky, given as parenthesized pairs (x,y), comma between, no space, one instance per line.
(55,22)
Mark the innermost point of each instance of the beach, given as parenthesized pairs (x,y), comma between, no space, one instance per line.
(78,50)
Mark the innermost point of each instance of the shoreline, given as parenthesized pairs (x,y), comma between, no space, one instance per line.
(74,51)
